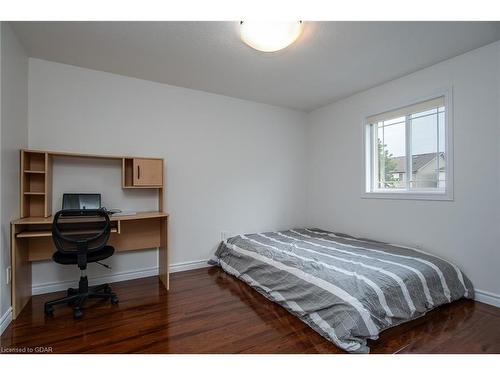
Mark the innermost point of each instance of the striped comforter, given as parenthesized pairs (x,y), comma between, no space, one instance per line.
(347,289)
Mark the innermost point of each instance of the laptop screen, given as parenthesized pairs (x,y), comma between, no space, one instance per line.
(81,201)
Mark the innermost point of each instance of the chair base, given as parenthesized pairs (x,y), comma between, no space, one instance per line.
(78,297)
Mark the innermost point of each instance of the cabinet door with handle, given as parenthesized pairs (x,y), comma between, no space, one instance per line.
(148,172)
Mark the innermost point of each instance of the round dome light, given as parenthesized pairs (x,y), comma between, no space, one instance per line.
(270,36)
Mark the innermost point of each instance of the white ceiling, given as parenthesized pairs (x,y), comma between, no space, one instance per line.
(330,61)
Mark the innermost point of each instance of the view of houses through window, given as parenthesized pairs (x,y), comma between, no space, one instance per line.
(408,148)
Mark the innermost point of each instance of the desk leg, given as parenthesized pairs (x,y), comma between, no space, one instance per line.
(21,271)
(163,257)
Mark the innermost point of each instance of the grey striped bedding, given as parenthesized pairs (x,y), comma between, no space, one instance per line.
(345,288)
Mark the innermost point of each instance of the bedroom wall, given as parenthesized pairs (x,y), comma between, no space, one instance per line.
(13,136)
(466,230)
(231,165)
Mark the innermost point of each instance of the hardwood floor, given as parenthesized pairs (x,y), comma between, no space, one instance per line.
(208,311)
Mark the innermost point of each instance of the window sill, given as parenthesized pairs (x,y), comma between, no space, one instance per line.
(406,195)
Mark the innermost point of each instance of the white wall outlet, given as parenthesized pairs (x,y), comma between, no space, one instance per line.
(224,235)
(8,274)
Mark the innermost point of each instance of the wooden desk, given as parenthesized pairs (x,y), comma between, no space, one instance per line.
(31,236)
(31,240)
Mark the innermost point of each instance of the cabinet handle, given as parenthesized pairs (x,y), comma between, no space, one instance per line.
(138,172)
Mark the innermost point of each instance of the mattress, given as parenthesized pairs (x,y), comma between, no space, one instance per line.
(347,289)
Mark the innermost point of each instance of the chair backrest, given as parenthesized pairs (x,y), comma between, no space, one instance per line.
(81,231)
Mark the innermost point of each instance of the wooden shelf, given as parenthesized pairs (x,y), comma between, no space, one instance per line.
(48,233)
(34,171)
(34,233)
(81,155)
(36,184)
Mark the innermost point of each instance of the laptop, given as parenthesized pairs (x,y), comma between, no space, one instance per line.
(81,201)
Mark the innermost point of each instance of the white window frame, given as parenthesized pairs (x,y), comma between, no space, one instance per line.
(368,190)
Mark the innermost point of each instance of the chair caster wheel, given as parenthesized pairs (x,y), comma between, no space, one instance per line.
(114,300)
(77,313)
(49,310)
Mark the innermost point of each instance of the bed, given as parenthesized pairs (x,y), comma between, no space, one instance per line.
(345,288)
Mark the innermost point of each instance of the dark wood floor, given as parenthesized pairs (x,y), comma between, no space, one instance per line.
(208,311)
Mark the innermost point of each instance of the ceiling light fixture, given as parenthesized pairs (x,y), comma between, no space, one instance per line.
(270,36)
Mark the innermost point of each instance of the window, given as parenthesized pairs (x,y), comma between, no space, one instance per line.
(408,152)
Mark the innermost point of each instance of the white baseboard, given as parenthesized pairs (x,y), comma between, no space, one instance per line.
(186,266)
(5,320)
(122,276)
(487,297)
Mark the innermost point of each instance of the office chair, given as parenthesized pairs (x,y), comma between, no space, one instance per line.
(80,237)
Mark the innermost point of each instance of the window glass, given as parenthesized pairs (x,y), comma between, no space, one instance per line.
(406,149)
(391,155)
(424,150)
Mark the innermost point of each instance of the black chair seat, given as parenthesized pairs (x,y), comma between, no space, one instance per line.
(95,256)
